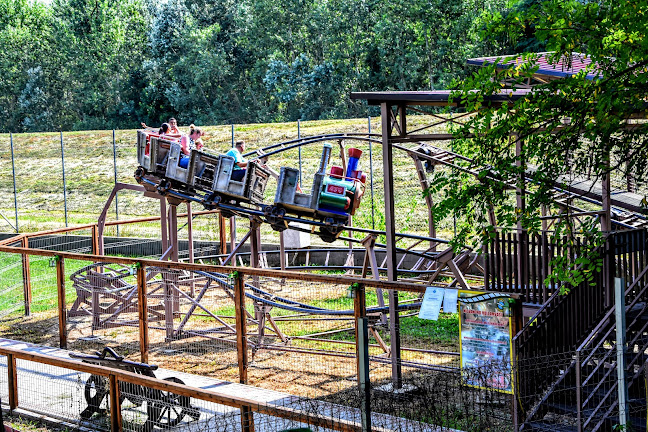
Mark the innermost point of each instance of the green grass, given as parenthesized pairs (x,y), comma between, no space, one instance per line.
(89,173)
(43,283)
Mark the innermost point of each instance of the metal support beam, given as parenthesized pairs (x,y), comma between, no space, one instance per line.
(620,320)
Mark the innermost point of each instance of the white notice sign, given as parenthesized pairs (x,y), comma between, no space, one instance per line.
(450,300)
(431,303)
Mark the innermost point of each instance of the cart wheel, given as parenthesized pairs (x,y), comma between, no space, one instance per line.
(167,409)
(133,392)
(95,391)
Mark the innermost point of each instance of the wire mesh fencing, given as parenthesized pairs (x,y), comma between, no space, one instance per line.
(12,301)
(582,391)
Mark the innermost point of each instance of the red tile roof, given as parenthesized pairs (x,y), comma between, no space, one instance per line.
(564,67)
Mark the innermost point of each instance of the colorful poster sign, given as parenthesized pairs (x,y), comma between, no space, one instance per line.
(485,326)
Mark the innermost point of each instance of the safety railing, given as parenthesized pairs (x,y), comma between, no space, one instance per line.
(145,402)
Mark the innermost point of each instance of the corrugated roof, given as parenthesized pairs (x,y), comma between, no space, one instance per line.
(431,97)
(564,67)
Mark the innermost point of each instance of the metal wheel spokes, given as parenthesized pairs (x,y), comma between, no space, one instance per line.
(96,389)
(167,409)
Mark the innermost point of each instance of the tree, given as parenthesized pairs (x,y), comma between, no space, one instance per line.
(101,46)
(581,125)
(25,59)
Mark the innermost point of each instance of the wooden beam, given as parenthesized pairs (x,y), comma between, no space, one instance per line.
(12,372)
(241,327)
(97,246)
(62,309)
(320,278)
(294,414)
(142,307)
(222,234)
(247,416)
(27,289)
(390,234)
(115,405)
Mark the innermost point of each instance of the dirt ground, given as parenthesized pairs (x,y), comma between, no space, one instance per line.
(297,373)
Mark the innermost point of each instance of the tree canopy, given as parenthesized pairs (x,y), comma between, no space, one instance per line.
(589,124)
(80,64)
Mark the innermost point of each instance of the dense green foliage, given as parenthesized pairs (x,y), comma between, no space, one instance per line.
(588,125)
(81,64)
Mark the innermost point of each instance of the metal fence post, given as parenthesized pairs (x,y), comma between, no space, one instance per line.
(579,410)
(232,135)
(64,185)
(115,170)
(13,171)
(373,219)
(619,312)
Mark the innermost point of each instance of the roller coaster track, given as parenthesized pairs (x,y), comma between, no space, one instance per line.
(626,213)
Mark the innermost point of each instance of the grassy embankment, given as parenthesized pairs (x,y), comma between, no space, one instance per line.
(89,178)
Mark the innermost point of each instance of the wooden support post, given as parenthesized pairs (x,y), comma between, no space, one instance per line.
(517,322)
(241,327)
(402,117)
(350,261)
(425,184)
(370,260)
(12,372)
(190,245)
(606,227)
(255,248)
(247,416)
(27,291)
(62,309)
(390,234)
(282,251)
(233,238)
(362,354)
(163,224)
(95,240)
(190,233)
(142,308)
(173,232)
(222,234)
(115,407)
(247,419)
(520,194)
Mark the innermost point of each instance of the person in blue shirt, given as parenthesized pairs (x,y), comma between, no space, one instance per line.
(239,162)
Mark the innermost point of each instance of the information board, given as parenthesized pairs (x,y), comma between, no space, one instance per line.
(485,328)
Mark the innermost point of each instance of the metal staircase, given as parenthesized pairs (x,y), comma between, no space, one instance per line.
(580,381)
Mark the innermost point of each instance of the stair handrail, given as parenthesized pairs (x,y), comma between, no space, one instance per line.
(609,313)
(531,321)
